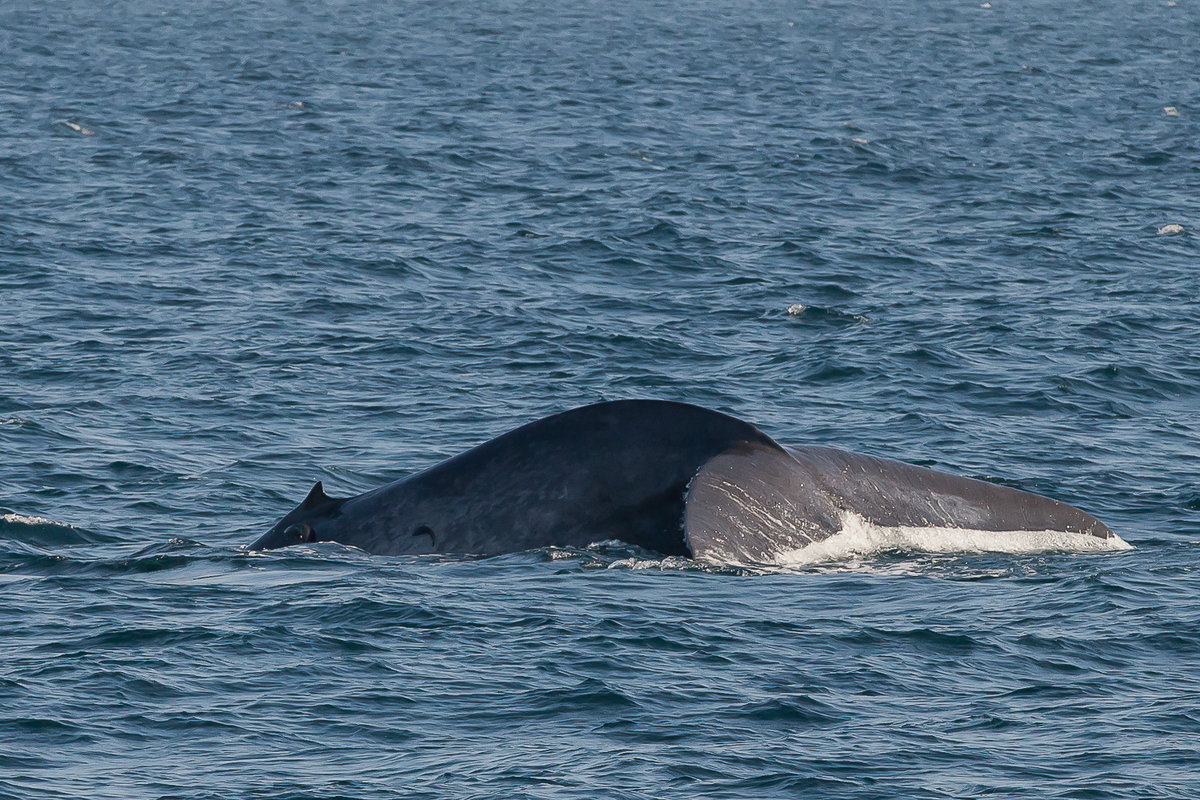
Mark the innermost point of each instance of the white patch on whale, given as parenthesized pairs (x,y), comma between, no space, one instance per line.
(860,538)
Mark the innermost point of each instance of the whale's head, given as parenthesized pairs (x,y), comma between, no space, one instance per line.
(305,523)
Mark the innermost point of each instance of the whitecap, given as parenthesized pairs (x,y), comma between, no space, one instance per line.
(75,126)
(21,519)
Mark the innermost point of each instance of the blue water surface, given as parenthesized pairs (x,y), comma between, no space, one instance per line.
(246,246)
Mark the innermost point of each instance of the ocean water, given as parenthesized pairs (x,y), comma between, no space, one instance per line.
(246,246)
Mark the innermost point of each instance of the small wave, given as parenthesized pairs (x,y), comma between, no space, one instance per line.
(615,554)
(21,519)
(43,532)
(821,314)
(667,564)
(80,129)
(791,711)
(859,537)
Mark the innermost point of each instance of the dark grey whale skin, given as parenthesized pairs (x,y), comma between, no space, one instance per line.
(616,470)
(670,477)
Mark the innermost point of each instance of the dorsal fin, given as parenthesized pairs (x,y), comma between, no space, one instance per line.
(315,497)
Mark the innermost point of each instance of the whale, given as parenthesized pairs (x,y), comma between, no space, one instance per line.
(669,477)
